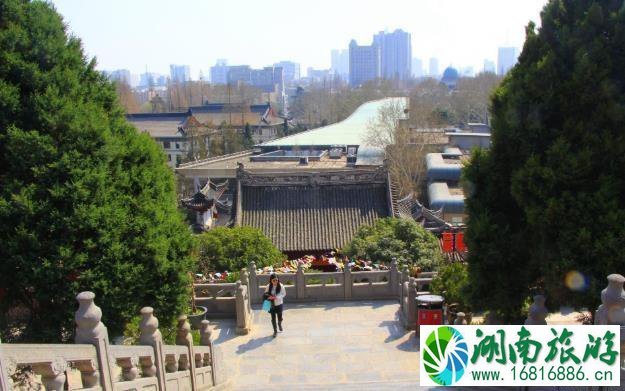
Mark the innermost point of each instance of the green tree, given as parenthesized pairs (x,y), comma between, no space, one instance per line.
(231,249)
(547,199)
(86,202)
(402,239)
(248,141)
(452,281)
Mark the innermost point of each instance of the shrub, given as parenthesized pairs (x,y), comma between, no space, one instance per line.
(452,282)
(232,249)
(402,239)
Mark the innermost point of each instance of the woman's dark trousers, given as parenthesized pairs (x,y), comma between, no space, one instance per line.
(276,311)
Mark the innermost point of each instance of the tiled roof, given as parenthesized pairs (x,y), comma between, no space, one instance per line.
(312,218)
(227,108)
(159,124)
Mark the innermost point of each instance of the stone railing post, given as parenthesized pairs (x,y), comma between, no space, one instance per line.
(612,312)
(90,330)
(393,278)
(184,337)
(300,282)
(245,280)
(253,282)
(151,336)
(537,313)
(5,381)
(460,319)
(347,281)
(214,361)
(412,304)
(243,318)
(403,281)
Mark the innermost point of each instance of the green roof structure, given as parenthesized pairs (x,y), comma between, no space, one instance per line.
(351,131)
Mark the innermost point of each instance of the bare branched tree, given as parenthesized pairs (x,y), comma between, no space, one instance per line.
(404,146)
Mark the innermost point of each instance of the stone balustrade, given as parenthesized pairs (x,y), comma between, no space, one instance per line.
(234,300)
(343,285)
(149,366)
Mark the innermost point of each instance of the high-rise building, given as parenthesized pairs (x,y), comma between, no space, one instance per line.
(433,68)
(240,73)
(364,63)
(219,72)
(290,71)
(120,75)
(180,73)
(340,63)
(506,59)
(417,68)
(146,80)
(269,79)
(395,54)
(489,66)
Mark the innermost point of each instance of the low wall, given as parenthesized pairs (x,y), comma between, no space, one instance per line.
(151,365)
(226,300)
(234,300)
(219,299)
(345,285)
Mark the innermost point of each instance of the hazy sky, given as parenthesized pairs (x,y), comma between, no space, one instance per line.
(133,34)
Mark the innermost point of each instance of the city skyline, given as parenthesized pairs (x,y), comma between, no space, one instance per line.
(453,31)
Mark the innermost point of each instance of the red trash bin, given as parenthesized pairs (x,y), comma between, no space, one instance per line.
(429,310)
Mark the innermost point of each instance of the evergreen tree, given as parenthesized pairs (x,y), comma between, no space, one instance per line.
(402,239)
(86,202)
(248,141)
(548,197)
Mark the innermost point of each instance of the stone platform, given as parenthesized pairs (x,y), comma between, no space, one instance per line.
(324,346)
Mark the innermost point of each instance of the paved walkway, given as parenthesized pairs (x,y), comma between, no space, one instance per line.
(324,346)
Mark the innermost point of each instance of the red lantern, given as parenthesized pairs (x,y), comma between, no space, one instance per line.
(460,246)
(448,242)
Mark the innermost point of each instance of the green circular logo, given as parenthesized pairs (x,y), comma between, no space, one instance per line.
(445,355)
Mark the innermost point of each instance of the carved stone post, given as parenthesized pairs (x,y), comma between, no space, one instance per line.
(347,281)
(537,313)
(90,330)
(151,336)
(184,337)
(129,367)
(403,288)
(5,381)
(243,326)
(460,319)
(206,340)
(393,278)
(300,282)
(245,280)
(412,304)
(53,374)
(612,311)
(253,283)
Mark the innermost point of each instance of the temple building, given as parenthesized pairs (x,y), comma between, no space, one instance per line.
(309,192)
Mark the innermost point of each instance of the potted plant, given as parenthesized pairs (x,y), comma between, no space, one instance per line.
(198,313)
(452,282)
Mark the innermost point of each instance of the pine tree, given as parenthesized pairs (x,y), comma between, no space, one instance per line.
(548,197)
(86,202)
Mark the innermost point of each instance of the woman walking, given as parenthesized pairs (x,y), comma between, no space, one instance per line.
(276,293)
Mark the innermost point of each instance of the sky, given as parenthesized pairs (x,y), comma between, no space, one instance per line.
(152,34)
